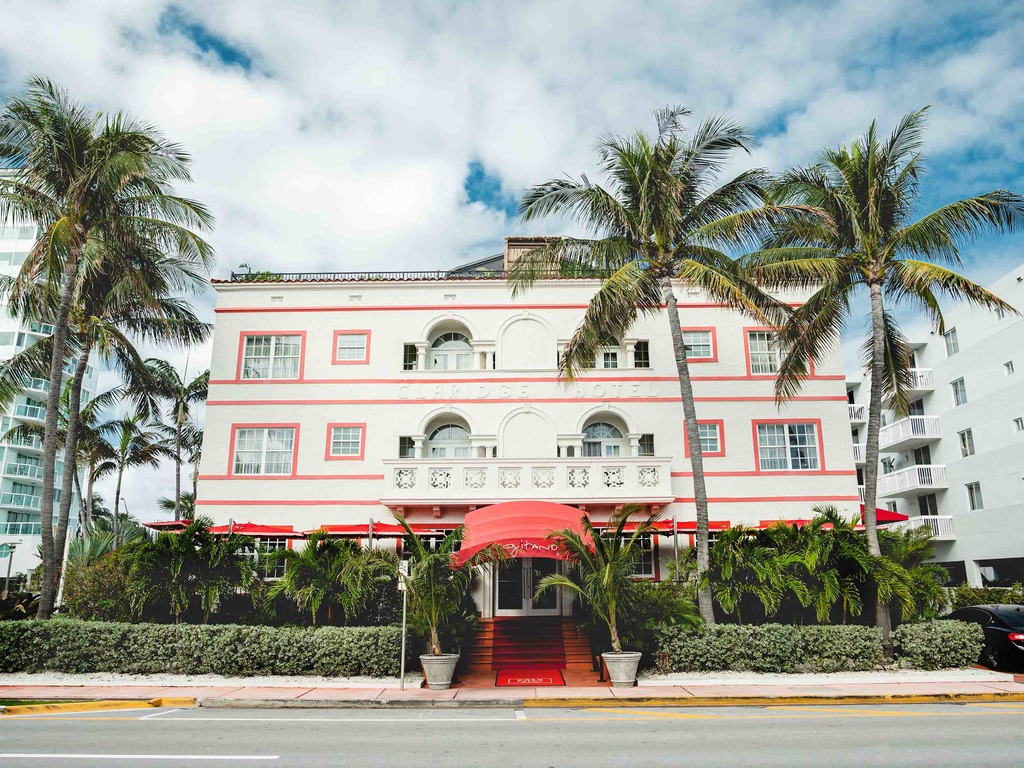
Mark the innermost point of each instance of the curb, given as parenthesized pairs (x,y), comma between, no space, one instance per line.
(100,705)
(605,703)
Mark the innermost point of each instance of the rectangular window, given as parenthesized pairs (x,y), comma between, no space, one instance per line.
(699,345)
(410,358)
(974,500)
(787,446)
(1018,424)
(346,441)
(264,450)
(351,346)
(272,357)
(1008,368)
(646,445)
(644,566)
(710,438)
(927,505)
(959,392)
(765,353)
(642,355)
(608,359)
(406,448)
(952,343)
(966,443)
(276,570)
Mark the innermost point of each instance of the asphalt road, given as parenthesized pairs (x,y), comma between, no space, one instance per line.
(933,735)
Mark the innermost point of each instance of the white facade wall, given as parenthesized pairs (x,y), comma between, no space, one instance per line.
(995,398)
(519,414)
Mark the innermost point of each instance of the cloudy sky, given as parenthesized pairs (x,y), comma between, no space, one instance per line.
(334,135)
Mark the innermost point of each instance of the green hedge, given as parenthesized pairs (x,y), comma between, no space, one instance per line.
(65,645)
(962,596)
(768,648)
(938,644)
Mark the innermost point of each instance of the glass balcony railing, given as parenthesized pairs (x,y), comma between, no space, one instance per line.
(26,442)
(20,529)
(42,329)
(30,411)
(17,469)
(41,385)
(22,500)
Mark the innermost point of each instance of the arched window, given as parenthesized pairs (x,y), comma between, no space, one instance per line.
(602,439)
(451,352)
(448,441)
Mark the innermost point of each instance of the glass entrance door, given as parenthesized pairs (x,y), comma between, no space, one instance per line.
(516,583)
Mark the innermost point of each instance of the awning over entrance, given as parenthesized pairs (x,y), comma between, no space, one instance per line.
(520,527)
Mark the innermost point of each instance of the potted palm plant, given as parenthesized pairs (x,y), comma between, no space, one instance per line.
(436,592)
(601,570)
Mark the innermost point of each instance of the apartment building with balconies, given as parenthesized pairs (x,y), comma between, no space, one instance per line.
(21,478)
(956,462)
(337,399)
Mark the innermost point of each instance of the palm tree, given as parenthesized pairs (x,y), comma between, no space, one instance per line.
(185,504)
(135,444)
(99,189)
(179,395)
(330,572)
(603,566)
(192,445)
(175,568)
(864,236)
(661,222)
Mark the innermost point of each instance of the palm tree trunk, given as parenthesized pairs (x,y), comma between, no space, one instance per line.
(88,494)
(882,620)
(71,447)
(52,556)
(705,599)
(177,462)
(117,505)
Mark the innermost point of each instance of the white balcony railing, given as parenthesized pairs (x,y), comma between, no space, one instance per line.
(913,429)
(856,411)
(482,481)
(30,412)
(940,525)
(922,477)
(921,379)
(16,469)
(858,453)
(26,442)
(21,500)
(20,529)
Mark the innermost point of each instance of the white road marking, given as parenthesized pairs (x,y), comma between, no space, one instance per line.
(83,756)
(520,715)
(157,714)
(419,719)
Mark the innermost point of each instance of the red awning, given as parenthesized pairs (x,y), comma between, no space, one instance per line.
(380,530)
(257,530)
(520,527)
(167,525)
(885,516)
(690,526)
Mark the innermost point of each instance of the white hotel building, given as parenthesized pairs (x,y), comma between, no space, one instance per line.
(336,399)
(956,462)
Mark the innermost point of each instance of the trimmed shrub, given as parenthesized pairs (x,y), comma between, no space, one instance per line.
(67,645)
(965,595)
(938,644)
(840,648)
(768,648)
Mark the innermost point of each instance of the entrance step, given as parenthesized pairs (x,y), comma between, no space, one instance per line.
(521,642)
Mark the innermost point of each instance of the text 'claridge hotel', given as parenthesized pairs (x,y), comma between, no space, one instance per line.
(335,400)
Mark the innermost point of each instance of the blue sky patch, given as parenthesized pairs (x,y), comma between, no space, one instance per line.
(484,187)
(175,21)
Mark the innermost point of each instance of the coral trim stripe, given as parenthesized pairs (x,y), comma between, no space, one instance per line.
(413,401)
(291,477)
(509,380)
(443,307)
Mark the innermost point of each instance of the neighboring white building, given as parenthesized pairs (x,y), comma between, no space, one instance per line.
(336,399)
(956,463)
(21,482)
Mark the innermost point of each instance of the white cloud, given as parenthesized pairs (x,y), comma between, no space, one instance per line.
(346,146)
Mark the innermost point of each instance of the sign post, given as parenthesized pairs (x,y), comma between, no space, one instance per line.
(403,573)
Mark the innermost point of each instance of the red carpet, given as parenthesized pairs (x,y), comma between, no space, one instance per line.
(529,676)
(528,643)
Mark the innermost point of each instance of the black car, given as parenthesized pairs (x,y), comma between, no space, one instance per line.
(1004,634)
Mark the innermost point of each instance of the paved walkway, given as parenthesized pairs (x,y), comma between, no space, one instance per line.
(327,695)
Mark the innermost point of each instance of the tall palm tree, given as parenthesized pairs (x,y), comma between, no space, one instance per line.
(184,504)
(192,445)
(136,444)
(662,221)
(865,241)
(179,396)
(99,188)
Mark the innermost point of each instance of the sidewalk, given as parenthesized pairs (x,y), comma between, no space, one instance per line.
(679,690)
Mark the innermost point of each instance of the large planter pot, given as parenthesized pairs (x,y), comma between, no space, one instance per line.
(439,670)
(622,667)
